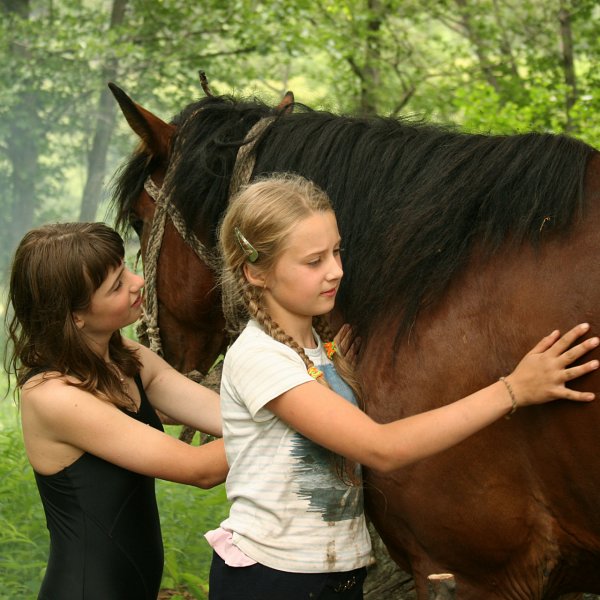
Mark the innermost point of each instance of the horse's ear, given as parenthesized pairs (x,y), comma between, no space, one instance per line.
(153,131)
(286,106)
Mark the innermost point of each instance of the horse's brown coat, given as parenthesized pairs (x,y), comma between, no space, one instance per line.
(513,511)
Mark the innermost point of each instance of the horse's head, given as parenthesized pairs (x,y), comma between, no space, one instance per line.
(172,192)
(183,310)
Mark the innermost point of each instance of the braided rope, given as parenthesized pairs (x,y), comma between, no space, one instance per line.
(246,158)
(148,327)
(235,319)
(209,258)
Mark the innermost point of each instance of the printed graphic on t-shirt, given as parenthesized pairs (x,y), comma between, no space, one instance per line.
(330,484)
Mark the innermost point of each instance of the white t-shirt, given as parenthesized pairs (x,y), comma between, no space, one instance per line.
(290,509)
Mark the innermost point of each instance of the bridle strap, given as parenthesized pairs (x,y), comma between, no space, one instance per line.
(242,171)
(148,326)
(208,257)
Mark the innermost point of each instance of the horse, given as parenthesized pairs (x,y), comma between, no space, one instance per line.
(460,251)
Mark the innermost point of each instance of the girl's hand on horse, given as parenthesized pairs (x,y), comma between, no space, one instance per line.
(543,373)
(348,343)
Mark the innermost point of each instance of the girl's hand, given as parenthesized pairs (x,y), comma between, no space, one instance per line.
(543,372)
(348,343)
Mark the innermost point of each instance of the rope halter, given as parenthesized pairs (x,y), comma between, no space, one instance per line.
(242,172)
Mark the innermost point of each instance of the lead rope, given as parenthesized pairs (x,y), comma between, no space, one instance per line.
(148,327)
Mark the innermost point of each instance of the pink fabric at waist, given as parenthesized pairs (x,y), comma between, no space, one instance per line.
(221,541)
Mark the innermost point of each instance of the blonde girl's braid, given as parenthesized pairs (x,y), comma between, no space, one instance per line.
(342,366)
(255,308)
(251,295)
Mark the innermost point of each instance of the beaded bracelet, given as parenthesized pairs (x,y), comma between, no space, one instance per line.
(513,398)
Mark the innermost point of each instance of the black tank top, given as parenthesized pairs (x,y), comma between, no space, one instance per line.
(105,538)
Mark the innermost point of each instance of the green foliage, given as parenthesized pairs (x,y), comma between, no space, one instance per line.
(23,535)
(487,64)
(186,514)
(490,66)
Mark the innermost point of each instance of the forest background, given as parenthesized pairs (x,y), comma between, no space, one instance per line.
(500,66)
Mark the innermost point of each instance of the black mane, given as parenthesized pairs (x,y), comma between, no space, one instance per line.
(411,198)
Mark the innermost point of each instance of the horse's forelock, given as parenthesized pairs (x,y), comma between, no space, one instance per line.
(127,185)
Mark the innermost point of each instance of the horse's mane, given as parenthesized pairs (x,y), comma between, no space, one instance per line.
(411,198)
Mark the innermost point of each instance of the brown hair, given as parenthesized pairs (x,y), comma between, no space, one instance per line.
(55,270)
(265,212)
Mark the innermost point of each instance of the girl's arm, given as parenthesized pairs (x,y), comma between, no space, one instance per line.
(329,420)
(60,422)
(178,397)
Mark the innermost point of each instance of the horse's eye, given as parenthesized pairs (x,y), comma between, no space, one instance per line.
(136,224)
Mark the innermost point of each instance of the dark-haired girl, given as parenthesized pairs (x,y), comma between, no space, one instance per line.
(88,398)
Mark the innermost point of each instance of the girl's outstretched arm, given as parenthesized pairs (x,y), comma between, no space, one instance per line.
(177,396)
(329,420)
(61,422)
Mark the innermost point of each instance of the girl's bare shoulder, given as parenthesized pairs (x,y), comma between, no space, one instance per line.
(50,396)
(46,382)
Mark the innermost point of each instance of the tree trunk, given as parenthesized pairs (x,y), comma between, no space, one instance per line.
(370,71)
(23,155)
(508,58)
(566,39)
(105,124)
(385,580)
(19,7)
(470,32)
(26,131)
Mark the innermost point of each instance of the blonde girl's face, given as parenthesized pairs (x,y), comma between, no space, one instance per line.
(115,304)
(306,277)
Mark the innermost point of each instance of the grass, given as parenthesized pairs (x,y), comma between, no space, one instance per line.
(186,514)
(23,536)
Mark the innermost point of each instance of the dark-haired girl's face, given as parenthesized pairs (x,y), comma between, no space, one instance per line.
(114,305)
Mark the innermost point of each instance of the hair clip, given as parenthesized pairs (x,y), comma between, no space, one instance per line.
(250,251)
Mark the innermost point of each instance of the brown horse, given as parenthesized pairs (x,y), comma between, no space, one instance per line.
(461,251)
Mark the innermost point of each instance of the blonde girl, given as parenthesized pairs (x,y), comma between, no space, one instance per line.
(291,406)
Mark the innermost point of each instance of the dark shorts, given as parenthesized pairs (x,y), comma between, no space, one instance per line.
(258,582)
